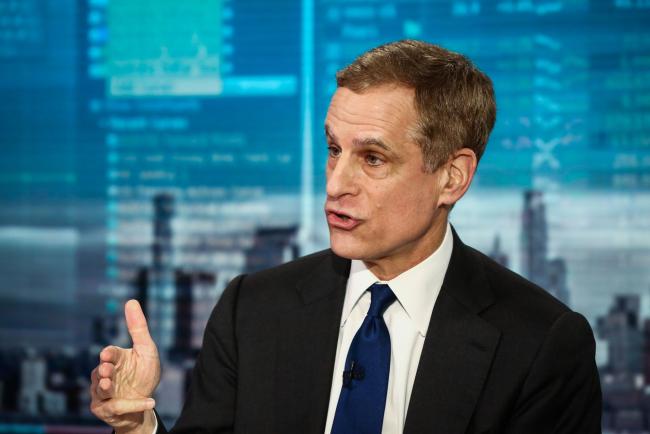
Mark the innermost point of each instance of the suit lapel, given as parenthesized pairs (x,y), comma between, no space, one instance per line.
(457,352)
(306,349)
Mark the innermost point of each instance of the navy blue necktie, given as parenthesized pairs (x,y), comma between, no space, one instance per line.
(360,409)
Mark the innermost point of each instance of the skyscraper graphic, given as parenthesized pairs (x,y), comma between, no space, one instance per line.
(626,397)
(272,246)
(646,356)
(550,274)
(194,303)
(621,328)
(176,300)
(160,300)
(534,236)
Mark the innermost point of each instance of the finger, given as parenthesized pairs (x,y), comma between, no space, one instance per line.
(137,324)
(119,407)
(112,354)
(105,370)
(93,381)
(104,389)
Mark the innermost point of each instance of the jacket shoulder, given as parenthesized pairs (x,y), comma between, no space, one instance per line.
(523,302)
(292,271)
(544,361)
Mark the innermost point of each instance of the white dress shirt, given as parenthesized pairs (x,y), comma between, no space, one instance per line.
(407,320)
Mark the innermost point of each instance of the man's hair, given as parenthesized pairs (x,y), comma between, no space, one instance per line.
(453,98)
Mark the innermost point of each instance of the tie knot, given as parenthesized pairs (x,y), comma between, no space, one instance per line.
(381,296)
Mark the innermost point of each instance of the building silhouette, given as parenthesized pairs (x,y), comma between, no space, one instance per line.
(626,396)
(646,353)
(271,247)
(194,298)
(534,246)
(550,274)
(160,299)
(620,328)
(176,301)
(194,303)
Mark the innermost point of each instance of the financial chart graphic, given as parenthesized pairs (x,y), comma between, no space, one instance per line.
(151,52)
(156,149)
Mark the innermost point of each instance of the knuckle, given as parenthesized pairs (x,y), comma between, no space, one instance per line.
(98,411)
(106,369)
(119,410)
(107,351)
(102,394)
(109,408)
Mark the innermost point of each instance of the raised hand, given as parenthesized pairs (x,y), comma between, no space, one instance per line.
(123,382)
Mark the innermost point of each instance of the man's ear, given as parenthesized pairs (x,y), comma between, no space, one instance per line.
(456,176)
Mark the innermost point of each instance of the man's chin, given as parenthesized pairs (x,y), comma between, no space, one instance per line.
(348,250)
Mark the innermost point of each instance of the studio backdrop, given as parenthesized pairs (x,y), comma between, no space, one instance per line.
(155,149)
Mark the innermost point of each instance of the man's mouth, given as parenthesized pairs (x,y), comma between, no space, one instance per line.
(341,220)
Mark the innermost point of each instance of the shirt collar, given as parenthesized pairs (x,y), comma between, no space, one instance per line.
(416,289)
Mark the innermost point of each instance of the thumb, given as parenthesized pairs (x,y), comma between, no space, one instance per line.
(137,324)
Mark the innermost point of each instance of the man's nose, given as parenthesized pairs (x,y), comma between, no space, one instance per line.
(341,178)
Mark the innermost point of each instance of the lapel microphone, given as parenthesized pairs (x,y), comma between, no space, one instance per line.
(356,372)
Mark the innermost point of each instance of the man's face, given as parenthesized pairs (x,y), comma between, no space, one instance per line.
(381,205)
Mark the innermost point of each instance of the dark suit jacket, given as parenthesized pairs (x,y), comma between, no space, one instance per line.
(501,355)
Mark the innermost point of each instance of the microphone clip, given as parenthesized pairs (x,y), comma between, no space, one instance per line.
(356,372)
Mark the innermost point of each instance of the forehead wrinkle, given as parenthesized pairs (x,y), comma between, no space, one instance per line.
(376,138)
(382,115)
(391,103)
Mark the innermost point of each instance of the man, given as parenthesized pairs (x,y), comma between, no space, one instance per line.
(399,327)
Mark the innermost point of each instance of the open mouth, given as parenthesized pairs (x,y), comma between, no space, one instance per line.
(343,217)
(341,220)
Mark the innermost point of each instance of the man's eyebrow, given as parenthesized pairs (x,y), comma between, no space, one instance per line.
(371,141)
(329,133)
(368,141)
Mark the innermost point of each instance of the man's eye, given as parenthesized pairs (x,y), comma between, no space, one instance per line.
(374,160)
(333,151)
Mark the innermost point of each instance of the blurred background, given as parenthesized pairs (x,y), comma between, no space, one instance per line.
(155,149)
